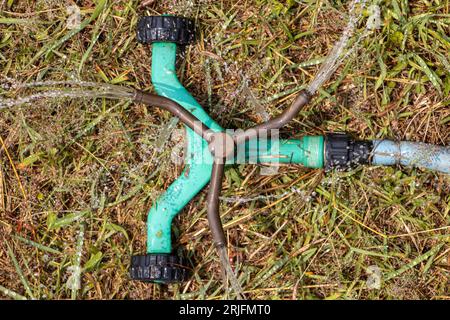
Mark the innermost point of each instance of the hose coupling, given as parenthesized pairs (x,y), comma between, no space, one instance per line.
(344,153)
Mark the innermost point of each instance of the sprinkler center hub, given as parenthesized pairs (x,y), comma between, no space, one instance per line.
(221,145)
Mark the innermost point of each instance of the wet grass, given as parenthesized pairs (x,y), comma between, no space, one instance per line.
(78,176)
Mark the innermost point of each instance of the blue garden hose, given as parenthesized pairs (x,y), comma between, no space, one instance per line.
(342,152)
(414,154)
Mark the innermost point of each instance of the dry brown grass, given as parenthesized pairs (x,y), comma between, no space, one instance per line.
(96,165)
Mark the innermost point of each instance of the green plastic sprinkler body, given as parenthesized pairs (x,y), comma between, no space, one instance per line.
(204,152)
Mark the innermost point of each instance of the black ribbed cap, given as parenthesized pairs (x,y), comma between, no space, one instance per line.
(166,29)
(161,268)
(343,153)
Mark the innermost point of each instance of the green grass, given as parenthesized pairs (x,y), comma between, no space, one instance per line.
(97,165)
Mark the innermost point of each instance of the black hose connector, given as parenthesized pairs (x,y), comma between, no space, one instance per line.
(343,153)
(157,267)
(166,29)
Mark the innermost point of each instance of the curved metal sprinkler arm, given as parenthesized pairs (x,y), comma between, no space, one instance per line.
(213,203)
(177,110)
(303,98)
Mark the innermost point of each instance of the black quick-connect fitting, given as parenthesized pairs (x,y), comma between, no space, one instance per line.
(157,267)
(343,153)
(179,30)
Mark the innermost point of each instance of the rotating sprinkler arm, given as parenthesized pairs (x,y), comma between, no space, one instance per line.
(177,110)
(303,98)
(213,204)
(221,146)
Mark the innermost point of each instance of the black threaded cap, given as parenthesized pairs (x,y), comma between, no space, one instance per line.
(343,153)
(166,29)
(157,267)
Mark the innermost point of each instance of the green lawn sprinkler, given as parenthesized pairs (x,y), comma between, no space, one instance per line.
(210,148)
